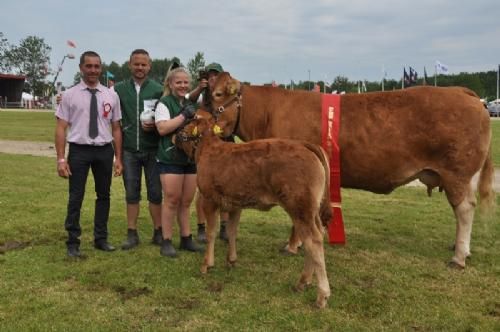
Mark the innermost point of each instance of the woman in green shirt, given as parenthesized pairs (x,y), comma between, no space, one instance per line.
(177,171)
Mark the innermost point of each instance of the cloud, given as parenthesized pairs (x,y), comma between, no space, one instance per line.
(262,40)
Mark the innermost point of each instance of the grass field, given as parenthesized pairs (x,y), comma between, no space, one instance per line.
(39,126)
(391,275)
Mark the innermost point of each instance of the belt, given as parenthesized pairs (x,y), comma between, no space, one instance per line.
(100,145)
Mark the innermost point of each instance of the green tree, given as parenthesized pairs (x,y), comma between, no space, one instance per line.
(115,69)
(342,83)
(194,66)
(4,46)
(77,78)
(159,68)
(31,58)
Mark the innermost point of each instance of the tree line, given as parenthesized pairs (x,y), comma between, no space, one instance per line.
(32,59)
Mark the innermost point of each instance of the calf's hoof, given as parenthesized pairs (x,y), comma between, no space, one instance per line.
(301,286)
(455,264)
(231,263)
(289,251)
(321,302)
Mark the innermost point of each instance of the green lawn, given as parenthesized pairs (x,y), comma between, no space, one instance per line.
(27,126)
(391,275)
(39,126)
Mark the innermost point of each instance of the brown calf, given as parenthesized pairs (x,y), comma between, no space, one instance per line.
(262,174)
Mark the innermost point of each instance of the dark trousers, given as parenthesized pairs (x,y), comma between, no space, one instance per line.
(99,159)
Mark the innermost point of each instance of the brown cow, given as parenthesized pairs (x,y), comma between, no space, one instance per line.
(440,136)
(262,174)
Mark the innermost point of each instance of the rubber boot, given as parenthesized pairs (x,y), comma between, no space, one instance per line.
(223,233)
(188,244)
(167,249)
(202,236)
(132,240)
(157,237)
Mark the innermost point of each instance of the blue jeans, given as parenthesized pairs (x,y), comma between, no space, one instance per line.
(133,163)
(99,159)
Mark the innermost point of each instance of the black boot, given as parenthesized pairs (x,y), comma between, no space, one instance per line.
(223,233)
(167,249)
(157,237)
(188,244)
(202,236)
(132,239)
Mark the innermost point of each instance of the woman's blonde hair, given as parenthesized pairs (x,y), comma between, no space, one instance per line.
(170,75)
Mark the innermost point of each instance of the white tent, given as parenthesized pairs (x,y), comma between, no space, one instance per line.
(26,96)
(27,100)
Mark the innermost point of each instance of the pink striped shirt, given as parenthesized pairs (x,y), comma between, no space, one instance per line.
(75,109)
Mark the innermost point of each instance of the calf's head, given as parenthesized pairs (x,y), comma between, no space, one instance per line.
(201,126)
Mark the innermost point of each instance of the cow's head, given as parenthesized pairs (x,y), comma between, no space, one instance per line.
(202,125)
(226,101)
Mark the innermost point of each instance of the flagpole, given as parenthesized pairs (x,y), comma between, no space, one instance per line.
(403,80)
(383,76)
(435,75)
(498,78)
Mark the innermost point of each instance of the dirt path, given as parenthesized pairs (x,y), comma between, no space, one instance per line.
(47,149)
(39,149)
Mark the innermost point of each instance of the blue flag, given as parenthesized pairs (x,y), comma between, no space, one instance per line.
(406,78)
(109,75)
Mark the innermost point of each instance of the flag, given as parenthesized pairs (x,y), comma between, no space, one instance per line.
(413,76)
(109,75)
(441,68)
(425,77)
(71,43)
(406,78)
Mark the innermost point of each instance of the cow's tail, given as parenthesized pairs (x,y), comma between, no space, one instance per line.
(487,200)
(325,208)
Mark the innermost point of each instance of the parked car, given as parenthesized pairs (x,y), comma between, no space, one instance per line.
(494,108)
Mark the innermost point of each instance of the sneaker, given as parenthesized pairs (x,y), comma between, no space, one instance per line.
(188,244)
(167,249)
(202,235)
(74,252)
(132,240)
(223,233)
(157,237)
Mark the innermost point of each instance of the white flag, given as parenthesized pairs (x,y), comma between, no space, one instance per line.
(441,68)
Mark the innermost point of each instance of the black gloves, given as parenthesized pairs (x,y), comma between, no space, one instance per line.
(188,111)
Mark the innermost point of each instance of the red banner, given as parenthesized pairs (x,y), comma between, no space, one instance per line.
(330,125)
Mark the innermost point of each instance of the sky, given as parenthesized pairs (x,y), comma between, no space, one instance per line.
(261,41)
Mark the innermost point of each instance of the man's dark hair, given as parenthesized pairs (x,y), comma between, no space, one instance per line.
(139,51)
(88,53)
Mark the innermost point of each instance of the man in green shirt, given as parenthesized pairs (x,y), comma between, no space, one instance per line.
(139,95)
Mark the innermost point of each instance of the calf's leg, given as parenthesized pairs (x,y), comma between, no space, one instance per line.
(232,230)
(294,243)
(314,260)
(210,211)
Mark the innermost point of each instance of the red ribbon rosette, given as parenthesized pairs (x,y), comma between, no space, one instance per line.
(107,109)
